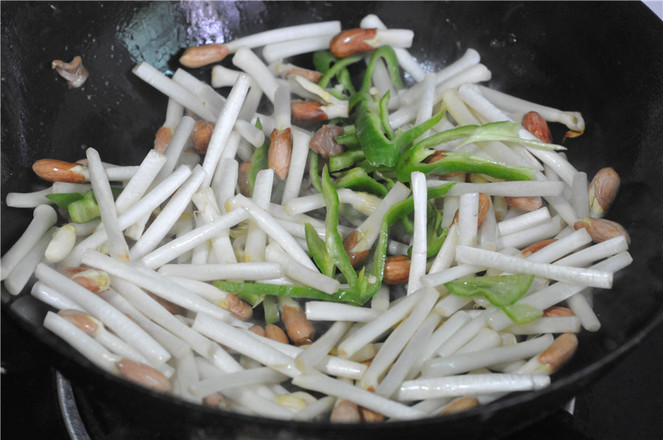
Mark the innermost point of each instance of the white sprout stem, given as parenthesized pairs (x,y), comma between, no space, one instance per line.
(53,298)
(190,240)
(176,346)
(468,217)
(250,132)
(488,231)
(588,277)
(381,299)
(524,221)
(256,238)
(405,60)
(43,217)
(362,202)
(174,114)
(223,127)
(454,323)
(137,211)
(253,66)
(141,181)
(175,147)
(397,340)
(447,254)
(287,33)
(308,358)
(315,410)
(427,102)
(228,271)
(332,365)
(293,183)
(557,325)
(531,235)
(120,173)
(462,336)
(117,244)
(209,97)
(370,227)
(373,329)
(435,279)
(225,181)
(473,74)
(67,187)
(81,341)
(581,307)
(223,76)
(471,384)
(278,51)
(343,390)
(510,189)
(451,304)
(29,200)
(562,247)
(173,90)
(595,252)
(484,340)
(463,362)
(419,238)
(154,282)
(168,215)
(243,378)
(252,102)
(329,311)
(558,292)
(21,274)
(573,120)
(109,315)
(149,307)
(579,194)
(563,209)
(243,343)
(274,229)
(407,359)
(300,273)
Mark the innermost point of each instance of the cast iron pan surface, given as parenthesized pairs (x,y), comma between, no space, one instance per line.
(603,59)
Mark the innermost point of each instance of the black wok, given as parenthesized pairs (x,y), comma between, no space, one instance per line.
(603,59)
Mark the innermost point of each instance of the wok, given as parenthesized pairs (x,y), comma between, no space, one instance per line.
(603,59)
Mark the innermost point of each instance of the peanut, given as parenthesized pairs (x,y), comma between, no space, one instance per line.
(345,412)
(55,170)
(559,352)
(460,404)
(524,203)
(74,72)
(307,112)
(535,124)
(243,179)
(275,333)
(602,191)
(299,328)
(238,308)
(529,250)
(81,320)
(558,311)
(202,132)
(143,375)
(371,416)
(352,41)
(280,152)
(601,229)
(357,259)
(199,56)
(397,269)
(162,139)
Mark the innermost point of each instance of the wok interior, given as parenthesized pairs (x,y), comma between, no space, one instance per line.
(600,59)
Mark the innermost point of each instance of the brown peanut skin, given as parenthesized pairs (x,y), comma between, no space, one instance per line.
(144,375)
(535,124)
(603,190)
(199,56)
(55,170)
(529,250)
(162,139)
(558,311)
(559,352)
(397,269)
(81,320)
(357,259)
(275,333)
(460,404)
(351,42)
(306,113)
(601,229)
(299,329)
(280,152)
(238,308)
(202,133)
(345,412)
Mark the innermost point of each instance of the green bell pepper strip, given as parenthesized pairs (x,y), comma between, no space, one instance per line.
(243,290)
(258,160)
(313,163)
(358,179)
(333,240)
(435,232)
(522,313)
(332,67)
(501,290)
(318,251)
(345,160)
(63,200)
(387,54)
(271,309)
